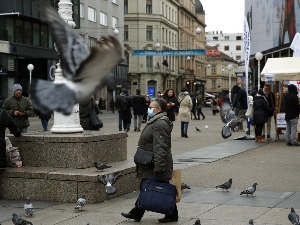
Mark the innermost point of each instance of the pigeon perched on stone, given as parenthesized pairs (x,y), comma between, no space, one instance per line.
(86,70)
(250,190)
(17,220)
(225,185)
(101,165)
(251,222)
(80,202)
(28,207)
(293,217)
(197,129)
(184,186)
(108,180)
(197,222)
(206,126)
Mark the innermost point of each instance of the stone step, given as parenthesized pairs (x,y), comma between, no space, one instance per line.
(65,184)
(70,150)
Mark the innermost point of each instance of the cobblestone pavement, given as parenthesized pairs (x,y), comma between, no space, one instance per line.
(274,166)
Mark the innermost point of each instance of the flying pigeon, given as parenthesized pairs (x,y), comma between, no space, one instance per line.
(197,129)
(101,166)
(86,70)
(206,126)
(250,222)
(108,180)
(293,217)
(250,190)
(230,119)
(184,186)
(225,185)
(17,220)
(197,222)
(80,202)
(28,207)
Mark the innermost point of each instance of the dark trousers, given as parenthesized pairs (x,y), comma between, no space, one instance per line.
(3,154)
(120,120)
(184,127)
(44,124)
(199,111)
(258,129)
(126,123)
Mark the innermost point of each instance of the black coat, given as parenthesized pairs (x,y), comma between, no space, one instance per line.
(139,105)
(171,110)
(261,108)
(6,121)
(291,106)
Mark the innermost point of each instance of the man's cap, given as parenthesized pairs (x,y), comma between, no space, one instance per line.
(17,87)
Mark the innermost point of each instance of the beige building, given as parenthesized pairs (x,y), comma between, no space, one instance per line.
(163,25)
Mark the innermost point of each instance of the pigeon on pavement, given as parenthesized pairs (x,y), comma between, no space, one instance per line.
(184,186)
(250,190)
(108,180)
(101,165)
(250,222)
(86,70)
(206,126)
(17,220)
(197,129)
(225,185)
(197,222)
(293,217)
(80,202)
(28,207)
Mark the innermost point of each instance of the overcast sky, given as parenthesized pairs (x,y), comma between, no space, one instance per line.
(224,15)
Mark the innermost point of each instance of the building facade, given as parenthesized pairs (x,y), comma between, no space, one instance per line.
(231,44)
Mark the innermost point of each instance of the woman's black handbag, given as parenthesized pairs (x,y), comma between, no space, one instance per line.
(95,120)
(143,157)
(157,197)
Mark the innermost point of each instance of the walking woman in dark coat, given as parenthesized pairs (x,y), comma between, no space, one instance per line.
(6,121)
(260,114)
(156,137)
(172,104)
(85,108)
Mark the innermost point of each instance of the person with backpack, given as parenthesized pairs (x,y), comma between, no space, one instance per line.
(124,104)
(139,104)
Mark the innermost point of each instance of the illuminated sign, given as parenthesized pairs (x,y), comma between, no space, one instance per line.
(168,52)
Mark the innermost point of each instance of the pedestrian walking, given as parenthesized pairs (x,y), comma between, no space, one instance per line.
(240,103)
(85,108)
(19,108)
(124,104)
(145,118)
(156,138)
(270,96)
(200,105)
(194,101)
(44,117)
(185,107)
(139,106)
(112,105)
(291,115)
(172,103)
(6,121)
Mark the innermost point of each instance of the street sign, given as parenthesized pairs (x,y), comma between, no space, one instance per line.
(168,52)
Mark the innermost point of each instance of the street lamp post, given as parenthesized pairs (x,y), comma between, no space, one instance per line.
(258,57)
(30,67)
(229,67)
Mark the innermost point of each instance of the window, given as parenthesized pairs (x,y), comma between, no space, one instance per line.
(28,32)
(149,63)
(115,22)
(126,33)
(226,48)
(238,47)
(103,18)
(213,83)
(44,36)
(20,31)
(226,38)
(148,6)
(238,38)
(92,42)
(238,57)
(125,6)
(36,34)
(114,1)
(81,10)
(91,14)
(213,68)
(215,38)
(149,33)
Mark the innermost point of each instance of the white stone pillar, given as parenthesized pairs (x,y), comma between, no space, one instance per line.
(62,123)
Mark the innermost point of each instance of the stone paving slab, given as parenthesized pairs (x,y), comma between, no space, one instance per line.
(293,200)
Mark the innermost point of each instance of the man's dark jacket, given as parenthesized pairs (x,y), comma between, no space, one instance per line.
(291,103)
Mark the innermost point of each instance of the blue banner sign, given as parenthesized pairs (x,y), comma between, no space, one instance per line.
(168,52)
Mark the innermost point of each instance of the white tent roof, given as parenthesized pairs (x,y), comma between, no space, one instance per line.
(209,95)
(287,68)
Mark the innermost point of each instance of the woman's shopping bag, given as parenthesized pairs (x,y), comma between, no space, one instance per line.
(157,197)
(176,180)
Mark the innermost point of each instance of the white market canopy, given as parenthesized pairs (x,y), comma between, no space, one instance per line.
(209,95)
(283,69)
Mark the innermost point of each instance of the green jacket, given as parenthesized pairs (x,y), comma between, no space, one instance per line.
(22,104)
(156,137)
